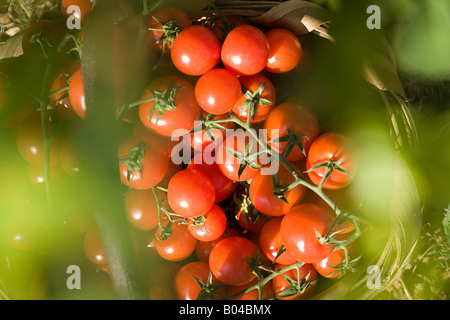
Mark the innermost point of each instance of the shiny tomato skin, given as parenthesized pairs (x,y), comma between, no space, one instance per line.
(77,97)
(186,111)
(179,246)
(229,260)
(165,14)
(223,186)
(298,232)
(217,91)
(332,146)
(262,196)
(154,164)
(270,242)
(93,249)
(200,139)
(285,50)
(214,225)
(245,50)
(252,83)
(279,283)
(299,119)
(141,209)
(220,26)
(191,193)
(195,50)
(203,248)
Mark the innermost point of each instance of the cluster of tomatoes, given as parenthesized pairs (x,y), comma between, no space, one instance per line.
(220,222)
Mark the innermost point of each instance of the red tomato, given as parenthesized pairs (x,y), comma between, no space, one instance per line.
(203,248)
(178,246)
(61,100)
(266,291)
(292,117)
(230,260)
(270,242)
(328,267)
(257,103)
(285,50)
(175,104)
(209,226)
(224,24)
(93,249)
(186,287)
(201,139)
(141,209)
(142,162)
(171,20)
(262,196)
(338,149)
(76,94)
(195,50)
(245,50)
(233,167)
(217,91)
(280,284)
(84,8)
(223,186)
(299,230)
(190,193)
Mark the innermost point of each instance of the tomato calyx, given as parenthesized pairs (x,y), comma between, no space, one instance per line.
(199,221)
(247,157)
(208,290)
(163,101)
(292,139)
(253,100)
(296,286)
(134,160)
(330,166)
(170,30)
(208,125)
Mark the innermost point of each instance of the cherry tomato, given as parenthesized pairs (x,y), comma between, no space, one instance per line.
(37,176)
(295,118)
(245,50)
(178,246)
(258,104)
(209,226)
(262,195)
(247,216)
(328,267)
(190,193)
(336,148)
(271,243)
(70,157)
(61,100)
(141,209)
(223,187)
(201,139)
(231,259)
(195,50)
(266,291)
(299,229)
(203,248)
(285,50)
(171,20)
(224,24)
(93,249)
(280,284)
(142,162)
(237,144)
(217,91)
(84,8)
(186,287)
(76,94)
(176,106)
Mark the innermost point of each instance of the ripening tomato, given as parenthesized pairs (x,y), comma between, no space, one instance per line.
(174,107)
(285,50)
(141,209)
(142,162)
(170,20)
(237,156)
(93,249)
(262,195)
(195,50)
(256,102)
(82,12)
(338,151)
(329,267)
(176,247)
(245,50)
(76,94)
(223,187)
(217,91)
(186,286)
(201,139)
(266,291)
(209,226)
(281,286)
(191,193)
(203,248)
(290,121)
(300,228)
(271,243)
(231,260)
